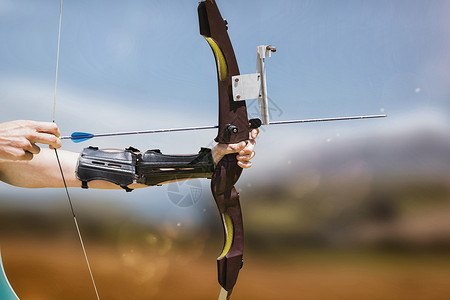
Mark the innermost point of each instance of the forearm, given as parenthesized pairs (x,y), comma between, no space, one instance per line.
(43,171)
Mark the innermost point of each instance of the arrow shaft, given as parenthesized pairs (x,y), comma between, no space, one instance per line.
(327,119)
(213,127)
(142,132)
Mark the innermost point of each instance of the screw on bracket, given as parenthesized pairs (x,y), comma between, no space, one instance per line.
(271,48)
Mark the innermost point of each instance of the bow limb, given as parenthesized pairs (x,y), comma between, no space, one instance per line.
(233,120)
(233,128)
(230,260)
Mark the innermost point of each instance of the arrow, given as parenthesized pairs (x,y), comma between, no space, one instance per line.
(78,137)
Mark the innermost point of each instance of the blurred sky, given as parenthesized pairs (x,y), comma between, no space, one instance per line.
(131,65)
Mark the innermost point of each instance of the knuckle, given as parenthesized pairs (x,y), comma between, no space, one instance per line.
(27,124)
(234,148)
(20,143)
(30,134)
(22,155)
(54,139)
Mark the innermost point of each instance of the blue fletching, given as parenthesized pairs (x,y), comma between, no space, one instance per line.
(78,137)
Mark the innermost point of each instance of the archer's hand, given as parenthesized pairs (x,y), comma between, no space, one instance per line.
(18,138)
(243,149)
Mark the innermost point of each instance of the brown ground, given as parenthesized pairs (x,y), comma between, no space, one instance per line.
(56,270)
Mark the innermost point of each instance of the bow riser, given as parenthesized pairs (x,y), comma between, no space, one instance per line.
(233,128)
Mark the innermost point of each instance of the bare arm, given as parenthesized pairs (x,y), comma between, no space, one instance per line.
(43,170)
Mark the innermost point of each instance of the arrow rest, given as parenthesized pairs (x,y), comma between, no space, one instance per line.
(255,123)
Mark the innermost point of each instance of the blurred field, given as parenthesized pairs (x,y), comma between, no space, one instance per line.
(369,224)
(45,269)
(389,244)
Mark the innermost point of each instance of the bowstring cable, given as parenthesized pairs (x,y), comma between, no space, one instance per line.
(59,162)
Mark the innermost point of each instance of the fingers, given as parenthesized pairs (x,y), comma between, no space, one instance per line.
(40,132)
(244,164)
(32,149)
(45,133)
(246,154)
(45,138)
(23,149)
(244,160)
(254,133)
(245,150)
(18,138)
(249,146)
(24,155)
(20,153)
(246,146)
(47,127)
(235,148)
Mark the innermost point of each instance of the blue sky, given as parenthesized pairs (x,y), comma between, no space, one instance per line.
(333,58)
(129,65)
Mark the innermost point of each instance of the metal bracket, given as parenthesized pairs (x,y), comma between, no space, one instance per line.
(246,87)
(253,86)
